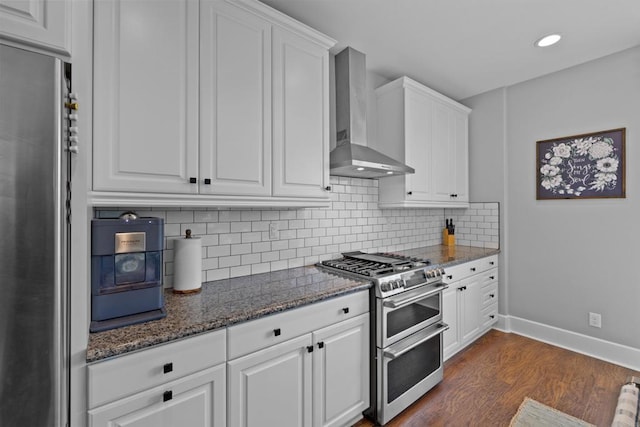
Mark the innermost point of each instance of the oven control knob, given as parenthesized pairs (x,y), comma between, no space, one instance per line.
(386,286)
(400,284)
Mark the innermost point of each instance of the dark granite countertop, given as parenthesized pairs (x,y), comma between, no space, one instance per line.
(225,302)
(441,255)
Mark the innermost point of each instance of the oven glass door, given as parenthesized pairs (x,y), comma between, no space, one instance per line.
(408,369)
(409,312)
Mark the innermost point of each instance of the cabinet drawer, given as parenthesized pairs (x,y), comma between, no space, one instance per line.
(489,316)
(257,334)
(489,294)
(129,374)
(488,278)
(468,269)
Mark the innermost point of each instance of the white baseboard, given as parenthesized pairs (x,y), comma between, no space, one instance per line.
(619,354)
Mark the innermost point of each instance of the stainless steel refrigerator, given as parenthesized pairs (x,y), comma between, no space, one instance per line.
(34,356)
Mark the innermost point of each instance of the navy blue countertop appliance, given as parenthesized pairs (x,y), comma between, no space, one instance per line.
(126,271)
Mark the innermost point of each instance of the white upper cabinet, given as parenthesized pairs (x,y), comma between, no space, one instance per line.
(211,103)
(40,24)
(145,96)
(300,116)
(429,132)
(235,94)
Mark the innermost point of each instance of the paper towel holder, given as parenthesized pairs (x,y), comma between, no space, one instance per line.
(185,257)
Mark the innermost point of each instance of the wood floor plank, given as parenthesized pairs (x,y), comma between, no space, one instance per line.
(485,383)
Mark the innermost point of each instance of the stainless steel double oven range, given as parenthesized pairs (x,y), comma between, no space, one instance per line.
(407,327)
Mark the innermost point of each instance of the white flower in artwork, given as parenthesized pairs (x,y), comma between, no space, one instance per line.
(582,145)
(560,191)
(570,191)
(555,161)
(608,164)
(550,182)
(603,180)
(547,156)
(562,150)
(581,188)
(577,193)
(600,150)
(548,170)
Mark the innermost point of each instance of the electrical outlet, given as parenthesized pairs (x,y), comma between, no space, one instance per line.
(273,231)
(595,320)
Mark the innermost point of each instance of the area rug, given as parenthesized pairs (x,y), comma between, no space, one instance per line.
(534,414)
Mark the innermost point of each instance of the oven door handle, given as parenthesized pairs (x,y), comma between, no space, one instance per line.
(391,353)
(391,303)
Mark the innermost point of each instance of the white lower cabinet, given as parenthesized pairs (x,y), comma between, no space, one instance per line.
(470,306)
(302,367)
(194,401)
(272,387)
(178,384)
(319,378)
(341,372)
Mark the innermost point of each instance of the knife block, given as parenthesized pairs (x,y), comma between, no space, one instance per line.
(448,239)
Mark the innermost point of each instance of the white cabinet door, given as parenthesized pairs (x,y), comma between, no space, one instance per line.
(37,23)
(300,116)
(341,372)
(272,387)
(470,308)
(450,154)
(194,401)
(235,97)
(145,96)
(450,337)
(418,147)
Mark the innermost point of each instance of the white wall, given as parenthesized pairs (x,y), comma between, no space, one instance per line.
(487,152)
(568,257)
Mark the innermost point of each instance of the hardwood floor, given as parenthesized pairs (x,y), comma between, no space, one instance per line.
(485,384)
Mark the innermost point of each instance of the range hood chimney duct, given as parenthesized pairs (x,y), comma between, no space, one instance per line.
(351,157)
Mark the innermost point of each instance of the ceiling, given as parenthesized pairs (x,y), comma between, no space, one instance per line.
(465,47)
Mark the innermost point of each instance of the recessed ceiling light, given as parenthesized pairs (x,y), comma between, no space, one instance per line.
(389,172)
(548,40)
(359,169)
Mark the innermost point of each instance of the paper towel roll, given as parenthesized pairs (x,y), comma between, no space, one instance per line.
(187,265)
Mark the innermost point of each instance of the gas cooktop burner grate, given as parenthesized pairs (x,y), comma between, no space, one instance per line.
(375,265)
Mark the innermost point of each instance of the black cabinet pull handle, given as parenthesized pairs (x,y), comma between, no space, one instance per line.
(461,288)
(167,395)
(492,316)
(491,263)
(473,269)
(309,349)
(168,367)
(193,180)
(492,277)
(327,188)
(450,277)
(207,181)
(409,193)
(277,332)
(492,295)
(321,344)
(345,310)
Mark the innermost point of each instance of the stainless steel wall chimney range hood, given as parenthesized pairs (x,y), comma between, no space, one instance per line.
(351,157)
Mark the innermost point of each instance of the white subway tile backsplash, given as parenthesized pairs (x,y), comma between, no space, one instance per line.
(238,242)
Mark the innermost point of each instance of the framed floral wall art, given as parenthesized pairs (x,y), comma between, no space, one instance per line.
(582,166)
